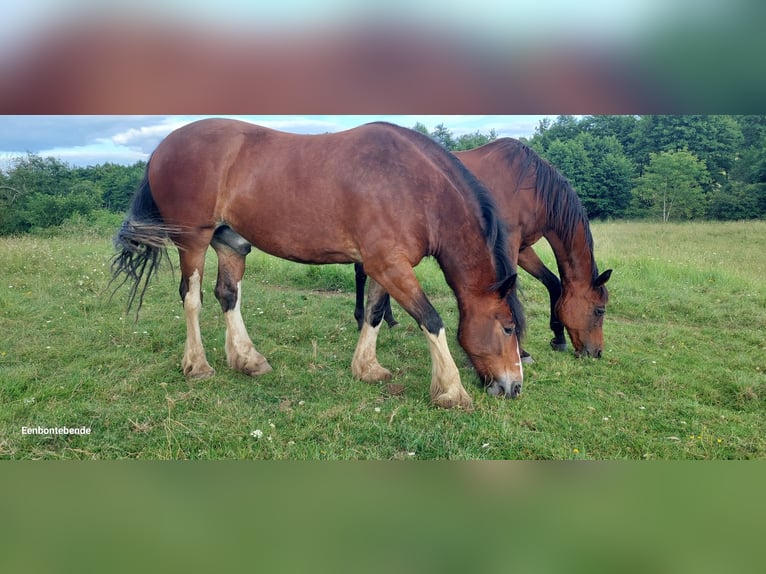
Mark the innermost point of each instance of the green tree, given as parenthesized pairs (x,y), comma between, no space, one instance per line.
(117,182)
(443,136)
(672,186)
(607,189)
(28,176)
(564,128)
(713,139)
(420,127)
(474,140)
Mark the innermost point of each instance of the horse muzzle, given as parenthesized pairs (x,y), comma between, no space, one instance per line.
(507,389)
(587,352)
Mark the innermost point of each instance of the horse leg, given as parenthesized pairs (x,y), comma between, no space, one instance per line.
(240,352)
(194,363)
(531,263)
(365,365)
(361,278)
(399,280)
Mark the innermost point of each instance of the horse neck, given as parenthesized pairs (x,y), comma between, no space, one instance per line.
(467,266)
(574,257)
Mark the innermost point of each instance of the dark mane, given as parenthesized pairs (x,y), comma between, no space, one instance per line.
(493,227)
(563,210)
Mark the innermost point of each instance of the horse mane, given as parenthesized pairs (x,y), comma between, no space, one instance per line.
(564,211)
(493,227)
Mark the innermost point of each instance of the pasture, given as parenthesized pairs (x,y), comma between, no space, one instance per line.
(683,374)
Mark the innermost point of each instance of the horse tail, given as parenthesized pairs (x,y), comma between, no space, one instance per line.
(141,244)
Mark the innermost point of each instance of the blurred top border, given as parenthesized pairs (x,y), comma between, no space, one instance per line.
(91,62)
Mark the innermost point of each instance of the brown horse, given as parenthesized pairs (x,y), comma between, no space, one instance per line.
(535,200)
(378,194)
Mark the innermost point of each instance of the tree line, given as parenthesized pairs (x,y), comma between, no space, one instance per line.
(668,168)
(37,192)
(661,167)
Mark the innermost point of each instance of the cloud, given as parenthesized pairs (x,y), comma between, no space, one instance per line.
(37,133)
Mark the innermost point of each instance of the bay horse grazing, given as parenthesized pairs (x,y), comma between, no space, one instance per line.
(379,194)
(535,200)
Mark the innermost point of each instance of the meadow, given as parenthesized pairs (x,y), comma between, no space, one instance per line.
(683,374)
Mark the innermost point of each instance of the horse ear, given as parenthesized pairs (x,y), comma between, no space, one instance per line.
(603,278)
(505,286)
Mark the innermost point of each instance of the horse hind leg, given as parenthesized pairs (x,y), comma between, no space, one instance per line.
(240,352)
(365,365)
(194,362)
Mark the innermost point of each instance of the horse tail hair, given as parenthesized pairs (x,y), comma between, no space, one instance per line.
(141,244)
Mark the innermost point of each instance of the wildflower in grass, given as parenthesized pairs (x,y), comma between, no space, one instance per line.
(576,450)
(257,433)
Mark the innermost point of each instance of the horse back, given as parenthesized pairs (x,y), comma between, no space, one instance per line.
(343,190)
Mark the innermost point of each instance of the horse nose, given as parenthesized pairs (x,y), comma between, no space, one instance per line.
(588,352)
(504,388)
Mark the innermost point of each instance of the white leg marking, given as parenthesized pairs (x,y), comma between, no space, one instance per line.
(194,363)
(364,365)
(446,389)
(240,352)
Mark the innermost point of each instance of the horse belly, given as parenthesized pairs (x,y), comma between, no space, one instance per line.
(296,238)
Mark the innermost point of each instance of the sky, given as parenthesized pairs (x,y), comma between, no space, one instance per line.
(94,140)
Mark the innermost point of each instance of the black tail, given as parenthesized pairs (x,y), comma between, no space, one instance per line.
(141,244)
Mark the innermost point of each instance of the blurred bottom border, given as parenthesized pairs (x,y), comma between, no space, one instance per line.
(382,516)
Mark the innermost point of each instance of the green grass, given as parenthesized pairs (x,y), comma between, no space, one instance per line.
(683,373)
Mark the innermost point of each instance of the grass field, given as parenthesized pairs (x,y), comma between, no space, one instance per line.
(683,374)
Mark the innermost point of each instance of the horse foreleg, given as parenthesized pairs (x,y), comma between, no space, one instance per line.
(240,352)
(446,389)
(365,365)
(531,263)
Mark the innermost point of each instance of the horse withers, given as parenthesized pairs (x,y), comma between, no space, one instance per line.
(379,194)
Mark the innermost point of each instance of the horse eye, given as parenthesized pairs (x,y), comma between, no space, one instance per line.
(510,330)
(599,311)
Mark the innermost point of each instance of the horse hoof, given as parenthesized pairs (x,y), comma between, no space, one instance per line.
(374,374)
(259,369)
(450,400)
(199,373)
(560,347)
